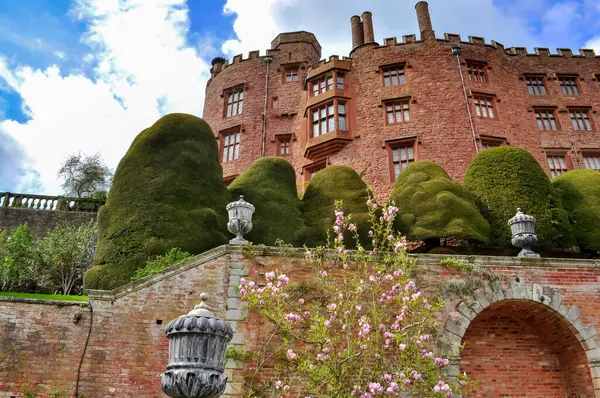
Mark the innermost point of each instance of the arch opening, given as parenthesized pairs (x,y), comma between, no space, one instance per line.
(520,348)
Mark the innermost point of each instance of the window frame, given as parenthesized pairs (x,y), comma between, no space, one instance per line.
(577,122)
(402,111)
(228,149)
(550,112)
(397,144)
(320,84)
(274,102)
(476,69)
(564,89)
(337,115)
(311,169)
(401,77)
(230,99)
(532,87)
(477,97)
(291,69)
(492,142)
(281,141)
(595,156)
(553,154)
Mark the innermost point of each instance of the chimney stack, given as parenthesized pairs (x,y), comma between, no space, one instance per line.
(357,31)
(424,21)
(367,25)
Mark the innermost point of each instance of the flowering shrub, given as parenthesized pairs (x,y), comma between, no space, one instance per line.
(362,329)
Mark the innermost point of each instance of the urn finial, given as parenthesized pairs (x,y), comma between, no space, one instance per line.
(523,233)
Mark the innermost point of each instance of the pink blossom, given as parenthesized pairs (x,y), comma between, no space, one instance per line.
(270,275)
(291,354)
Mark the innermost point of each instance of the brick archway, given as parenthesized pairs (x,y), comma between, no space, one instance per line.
(522,343)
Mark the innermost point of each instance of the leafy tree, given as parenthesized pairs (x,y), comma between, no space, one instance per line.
(159,263)
(270,185)
(358,327)
(18,260)
(168,191)
(85,176)
(66,253)
(433,206)
(579,191)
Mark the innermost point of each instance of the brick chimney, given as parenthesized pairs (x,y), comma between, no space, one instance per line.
(367,25)
(424,21)
(357,31)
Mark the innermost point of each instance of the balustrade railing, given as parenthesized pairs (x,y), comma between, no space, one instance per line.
(50,203)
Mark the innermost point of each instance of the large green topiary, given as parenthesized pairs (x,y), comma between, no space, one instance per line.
(505,178)
(579,191)
(431,205)
(328,185)
(168,191)
(270,185)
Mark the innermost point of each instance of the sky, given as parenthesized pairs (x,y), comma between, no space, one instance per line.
(86,76)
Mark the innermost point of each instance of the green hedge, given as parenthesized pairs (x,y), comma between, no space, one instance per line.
(270,185)
(432,205)
(168,191)
(579,191)
(505,178)
(328,185)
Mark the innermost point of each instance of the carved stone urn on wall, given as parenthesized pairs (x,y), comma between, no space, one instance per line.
(240,220)
(197,345)
(523,234)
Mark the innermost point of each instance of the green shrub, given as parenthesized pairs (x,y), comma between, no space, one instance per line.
(431,205)
(19,260)
(270,185)
(168,191)
(328,185)
(579,191)
(159,263)
(505,178)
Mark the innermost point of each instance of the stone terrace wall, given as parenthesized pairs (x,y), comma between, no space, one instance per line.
(127,348)
(40,221)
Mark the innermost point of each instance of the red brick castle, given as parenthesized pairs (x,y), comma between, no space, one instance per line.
(394,102)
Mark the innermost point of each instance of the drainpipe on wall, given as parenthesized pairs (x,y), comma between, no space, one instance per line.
(268,60)
(456,54)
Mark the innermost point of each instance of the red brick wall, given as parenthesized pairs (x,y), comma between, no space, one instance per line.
(127,349)
(438,109)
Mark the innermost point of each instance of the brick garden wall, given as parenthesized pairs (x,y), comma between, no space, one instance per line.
(535,327)
(40,221)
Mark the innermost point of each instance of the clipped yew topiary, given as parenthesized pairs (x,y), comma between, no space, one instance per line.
(579,191)
(432,206)
(505,178)
(270,185)
(168,192)
(328,185)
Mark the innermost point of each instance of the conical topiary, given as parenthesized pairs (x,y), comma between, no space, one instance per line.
(328,185)
(270,185)
(504,178)
(168,192)
(579,191)
(432,206)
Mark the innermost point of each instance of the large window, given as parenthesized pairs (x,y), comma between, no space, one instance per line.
(557,164)
(484,106)
(568,85)
(393,75)
(535,85)
(592,162)
(329,117)
(235,101)
(476,71)
(397,112)
(401,156)
(327,82)
(230,143)
(580,119)
(546,120)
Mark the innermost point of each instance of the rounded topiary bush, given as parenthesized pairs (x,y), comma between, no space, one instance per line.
(579,191)
(432,206)
(270,185)
(328,185)
(167,192)
(505,178)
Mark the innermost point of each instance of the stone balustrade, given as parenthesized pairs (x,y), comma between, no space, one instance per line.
(50,203)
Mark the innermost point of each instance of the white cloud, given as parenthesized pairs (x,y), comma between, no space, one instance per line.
(594,44)
(144,68)
(60,54)
(258,22)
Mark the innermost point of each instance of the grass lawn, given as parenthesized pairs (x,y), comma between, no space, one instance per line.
(44,296)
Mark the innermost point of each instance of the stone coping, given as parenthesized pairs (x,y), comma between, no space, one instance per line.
(59,303)
(270,251)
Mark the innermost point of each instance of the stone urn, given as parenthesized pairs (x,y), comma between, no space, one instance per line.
(197,345)
(240,220)
(523,234)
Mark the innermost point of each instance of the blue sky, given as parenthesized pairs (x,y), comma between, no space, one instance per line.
(88,75)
